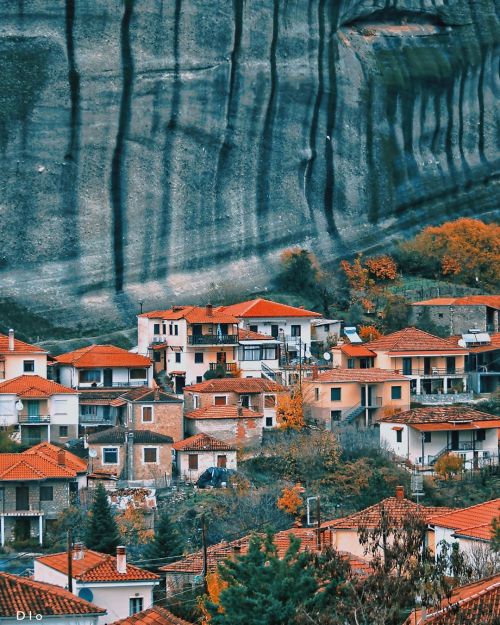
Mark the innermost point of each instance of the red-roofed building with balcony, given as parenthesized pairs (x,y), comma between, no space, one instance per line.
(423,435)
(200,452)
(106,581)
(18,358)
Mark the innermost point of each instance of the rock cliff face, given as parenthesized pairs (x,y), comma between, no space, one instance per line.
(150,147)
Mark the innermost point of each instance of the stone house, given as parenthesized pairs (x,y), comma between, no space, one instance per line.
(19,358)
(233,424)
(134,455)
(199,452)
(458,315)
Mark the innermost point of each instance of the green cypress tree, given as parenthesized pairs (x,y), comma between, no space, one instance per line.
(167,543)
(102,531)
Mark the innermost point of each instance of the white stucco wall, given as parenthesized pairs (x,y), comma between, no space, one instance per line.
(206,459)
(14,365)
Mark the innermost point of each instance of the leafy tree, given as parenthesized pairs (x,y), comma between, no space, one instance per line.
(448,465)
(396,313)
(7,445)
(355,314)
(300,271)
(263,589)
(166,543)
(290,412)
(133,530)
(291,499)
(369,279)
(102,531)
(218,372)
(369,333)
(72,518)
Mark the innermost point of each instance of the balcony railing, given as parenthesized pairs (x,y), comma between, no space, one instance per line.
(90,385)
(100,419)
(433,372)
(229,367)
(213,339)
(26,419)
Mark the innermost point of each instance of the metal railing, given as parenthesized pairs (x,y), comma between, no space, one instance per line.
(26,419)
(212,339)
(462,446)
(93,418)
(229,367)
(434,372)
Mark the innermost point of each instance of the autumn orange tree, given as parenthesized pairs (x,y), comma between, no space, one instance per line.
(368,279)
(369,333)
(448,465)
(291,499)
(460,251)
(290,412)
(215,585)
(132,526)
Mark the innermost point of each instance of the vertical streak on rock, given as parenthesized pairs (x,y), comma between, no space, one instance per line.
(118,174)
(436,137)
(168,147)
(374,195)
(461,104)
(317,104)
(266,144)
(449,132)
(480,99)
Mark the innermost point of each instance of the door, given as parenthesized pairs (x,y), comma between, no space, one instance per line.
(22,529)
(180,383)
(427,366)
(107,377)
(197,329)
(406,366)
(33,410)
(450,364)
(222,462)
(22,498)
(221,358)
(274,330)
(454,440)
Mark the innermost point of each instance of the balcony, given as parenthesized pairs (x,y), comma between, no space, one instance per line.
(213,339)
(374,402)
(26,419)
(96,419)
(229,367)
(433,372)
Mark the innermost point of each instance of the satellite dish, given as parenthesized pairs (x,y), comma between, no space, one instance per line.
(86,594)
(308,353)
(462,343)
(19,405)
(92,453)
(327,355)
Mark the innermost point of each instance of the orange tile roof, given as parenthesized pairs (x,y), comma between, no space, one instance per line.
(356,351)
(52,451)
(478,602)
(102,356)
(236,385)
(362,376)
(469,300)
(192,314)
(19,346)
(468,518)
(154,616)
(414,340)
(33,386)
(14,467)
(260,307)
(96,567)
(223,412)
(248,335)
(443,427)
(439,414)
(203,442)
(481,532)
(25,595)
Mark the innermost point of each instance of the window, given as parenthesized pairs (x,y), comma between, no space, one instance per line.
(147,414)
(176,330)
(269,422)
(150,455)
(399,436)
(135,605)
(198,357)
(268,352)
(199,379)
(222,462)
(178,357)
(326,328)
(450,364)
(88,410)
(336,415)
(156,328)
(63,431)
(254,328)
(350,363)
(269,401)
(46,493)
(249,353)
(316,394)
(61,406)
(196,400)
(336,393)
(171,329)
(224,328)
(295,330)
(275,330)
(220,400)
(395,392)
(245,401)
(110,455)
(406,366)
(157,356)
(90,375)
(481,435)
(28,366)
(440,315)
(193,462)
(427,437)
(163,328)
(138,374)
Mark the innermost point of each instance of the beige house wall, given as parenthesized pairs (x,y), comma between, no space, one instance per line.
(244,431)
(168,418)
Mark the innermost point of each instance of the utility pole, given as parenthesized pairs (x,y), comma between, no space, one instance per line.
(70,562)
(205,558)
(318,521)
(300,364)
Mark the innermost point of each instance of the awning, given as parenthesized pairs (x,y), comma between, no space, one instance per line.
(176,372)
(176,348)
(443,427)
(397,428)
(159,346)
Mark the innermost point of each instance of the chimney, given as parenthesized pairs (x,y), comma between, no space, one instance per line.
(239,410)
(236,552)
(61,458)
(156,394)
(315,372)
(11,340)
(121,560)
(78,551)
(400,492)
(210,310)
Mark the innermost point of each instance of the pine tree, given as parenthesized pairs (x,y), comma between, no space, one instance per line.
(102,531)
(167,543)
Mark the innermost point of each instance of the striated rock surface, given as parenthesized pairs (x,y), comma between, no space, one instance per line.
(151,147)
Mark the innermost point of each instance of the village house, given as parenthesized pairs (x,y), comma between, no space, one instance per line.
(435,366)
(483,361)
(154,616)
(359,396)
(468,527)
(477,603)
(18,358)
(34,489)
(423,435)
(38,409)
(23,599)
(323,331)
(345,531)
(352,356)
(138,455)
(197,453)
(61,455)
(258,355)
(106,581)
(257,394)
(232,424)
(457,315)
(187,341)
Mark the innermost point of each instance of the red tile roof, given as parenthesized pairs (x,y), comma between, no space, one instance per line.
(356,351)
(439,414)
(96,567)
(192,314)
(154,616)
(236,385)
(33,386)
(14,467)
(260,307)
(490,347)
(471,518)
(223,412)
(148,395)
(248,335)
(19,346)
(470,300)
(203,442)
(102,356)
(474,604)
(414,340)
(53,452)
(362,376)
(25,595)
(481,532)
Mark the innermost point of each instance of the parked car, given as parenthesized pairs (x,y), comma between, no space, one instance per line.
(215,477)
